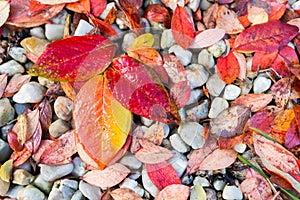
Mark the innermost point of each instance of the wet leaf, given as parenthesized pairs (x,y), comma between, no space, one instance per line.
(70,59)
(104,27)
(152,154)
(45,111)
(155,133)
(19,157)
(54,2)
(97,6)
(174,68)
(124,194)
(36,7)
(282,91)
(281,124)
(263,120)
(207,38)
(59,151)
(182,27)
(261,61)
(228,68)
(109,122)
(158,13)
(4,11)
(13,142)
(265,38)
(80,6)
(180,92)
(255,102)
(209,17)
(292,138)
(85,156)
(227,20)
(257,15)
(15,84)
(43,145)
(243,65)
(122,151)
(146,55)
(144,40)
(6,170)
(34,131)
(162,174)
(109,177)
(132,15)
(174,192)
(68,90)
(139,90)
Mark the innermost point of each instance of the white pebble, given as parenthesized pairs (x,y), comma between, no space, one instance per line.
(240,147)
(18,54)
(148,185)
(178,144)
(219,184)
(63,108)
(232,192)
(128,40)
(89,191)
(261,84)
(192,134)
(31,92)
(217,106)
(131,162)
(83,28)
(215,85)
(231,92)
(201,181)
(38,32)
(167,39)
(206,59)
(196,75)
(217,49)
(196,94)
(54,31)
(199,111)
(53,172)
(11,67)
(194,5)
(184,56)
(179,163)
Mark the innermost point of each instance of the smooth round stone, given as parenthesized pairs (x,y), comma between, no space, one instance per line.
(179,163)
(58,128)
(18,54)
(34,45)
(167,39)
(146,121)
(53,172)
(45,82)
(77,196)
(196,94)
(60,18)
(148,184)
(31,92)
(131,162)
(38,32)
(128,40)
(192,134)
(217,106)
(7,112)
(89,191)
(83,28)
(231,92)
(4,187)
(232,192)
(42,184)
(69,183)
(261,84)
(219,184)
(201,181)
(55,194)
(187,179)
(66,190)
(178,144)
(21,107)
(182,114)
(206,59)
(79,167)
(63,108)
(14,190)
(199,111)
(22,177)
(31,193)
(54,31)
(196,75)
(217,49)
(4,130)
(194,5)
(211,194)
(205,4)
(184,56)
(133,185)
(11,67)
(240,147)
(215,85)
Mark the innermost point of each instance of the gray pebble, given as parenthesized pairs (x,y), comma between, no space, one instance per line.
(219,184)
(83,28)
(261,84)
(53,172)
(217,49)
(215,85)
(55,194)
(89,191)
(192,134)
(18,54)
(133,185)
(146,121)
(184,56)
(201,181)
(178,144)
(205,4)
(21,107)
(63,108)
(148,185)
(167,39)
(54,31)
(231,92)
(4,187)
(217,106)
(206,59)
(194,5)
(42,184)
(77,196)
(32,193)
(66,191)
(11,67)
(210,194)
(5,151)
(232,192)
(179,163)
(31,92)
(22,177)
(196,94)
(196,75)
(13,191)
(187,179)
(199,111)
(73,184)
(38,32)
(60,18)
(79,167)
(131,162)
(7,112)
(58,128)
(128,40)
(4,130)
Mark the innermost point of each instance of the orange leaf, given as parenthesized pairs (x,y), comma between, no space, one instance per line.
(261,61)
(182,27)
(228,68)
(97,6)
(132,15)
(124,194)
(292,138)
(104,27)
(255,102)
(35,7)
(158,13)
(174,192)
(80,6)
(19,157)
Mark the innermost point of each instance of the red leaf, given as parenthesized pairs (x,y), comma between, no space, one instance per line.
(282,91)
(182,27)
(139,90)
(75,58)
(254,101)
(36,7)
(174,68)
(162,174)
(97,7)
(104,27)
(45,114)
(263,60)
(292,138)
(228,68)
(13,142)
(180,92)
(266,37)
(263,120)
(15,84)
(158,13)
(174,192)
(19,157)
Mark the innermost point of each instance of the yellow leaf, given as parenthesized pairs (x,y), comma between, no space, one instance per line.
(200,192)
(144,40)
(4,11)
(6,170)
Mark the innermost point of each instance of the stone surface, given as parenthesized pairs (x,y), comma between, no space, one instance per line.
(79,167)
(18,54)
(211,194)
(232,192)
(13,191)
(53,172)
(89,191)
(4,130)
(128,40)
(206,59)
(215,85)
(184,56)
(77,195)
(42,184)
(68,187)
(63,108)
(60,18)
(21,107)
(196,94)
(205,4)
(231,92)
(131,162)
(4,187)
(200,111)
(217,49)
(178,144)
(11,67)
(196,75)
(192,134)
(7,112)
(146,121)
(201,181)
(5,151)
(38,32)
(32,193)
(217,106)
(22,177)
(179,163)
(133,185)
(148,185)
(34,45)
(58,128)
(240,147)
(83,28)
(45,82)
(167,39)
(55,194)
(31,92)
(194,4)
(219,184)
(261,84)
(54,31)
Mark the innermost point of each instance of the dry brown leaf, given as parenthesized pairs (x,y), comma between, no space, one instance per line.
(227,19)
(174,192)
(109,177)
(255,102)
(151,153)
(207,38)
(124,194)
(15,84)
(55,2)
(4,11)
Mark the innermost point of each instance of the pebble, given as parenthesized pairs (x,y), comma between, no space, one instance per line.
(201,181)
(217,106)
(128,40)
(215,85)
(167,39)
(4,130)
(148,185)
(63,108)
(21,107)
(182,114)
(194,194)
(108,7)
(178,144)
(196,94)
(184,56)
(38,32)
(77,196)
(194,5)
(217,49)
(196,75)
(55,194)
(31,92)
(210,194)
(146,121)
(53,172)
(73,184)
(89,191)
(83,28)
(133,185)
(192,134)
(200,111)
(219,184)
(205,4)
(13,191)
(240,147)
(68,187)
(27,165)
(187,179)
(79,167)
(32,193)
(131,162)
(60,18)
(261,84)
(54,31)
(4,187)
(11,67)
(231,92)
(18,54)
(58,128)
(22,177)
(206,59)
(245,86)
(7,112)
(34,45)
(45,82)
(42,184)
(232,192)
(179,163)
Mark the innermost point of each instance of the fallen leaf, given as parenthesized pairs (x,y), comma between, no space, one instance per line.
(3,83)
(277,10)
(152,154)
(255,102)
(162,174)
(140,91)
(174,68)
(124,194)
(54,2)
(209,18)
(257,15)
(243,65)
(158,13)
(282,91)
(36,7)
(109,122)
(19,157)
(292,138)
(97,7)
(155,133)
(267,37)
(111,16)
(59,151)
(43,145)
(15,84)
(263,120)
(12,139)
(70,59)
(122,151)
(144,40)
(45,111)
(79,6)
(282,120)
(182,27)
(6,170)
(261,61)
(207,38)
(227,20)
(104,27)
(180,93)
(109,177)
(132,15)
(84,155)
(174,192)
(4,11)
(68,90)
(230,122)
(228,68)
